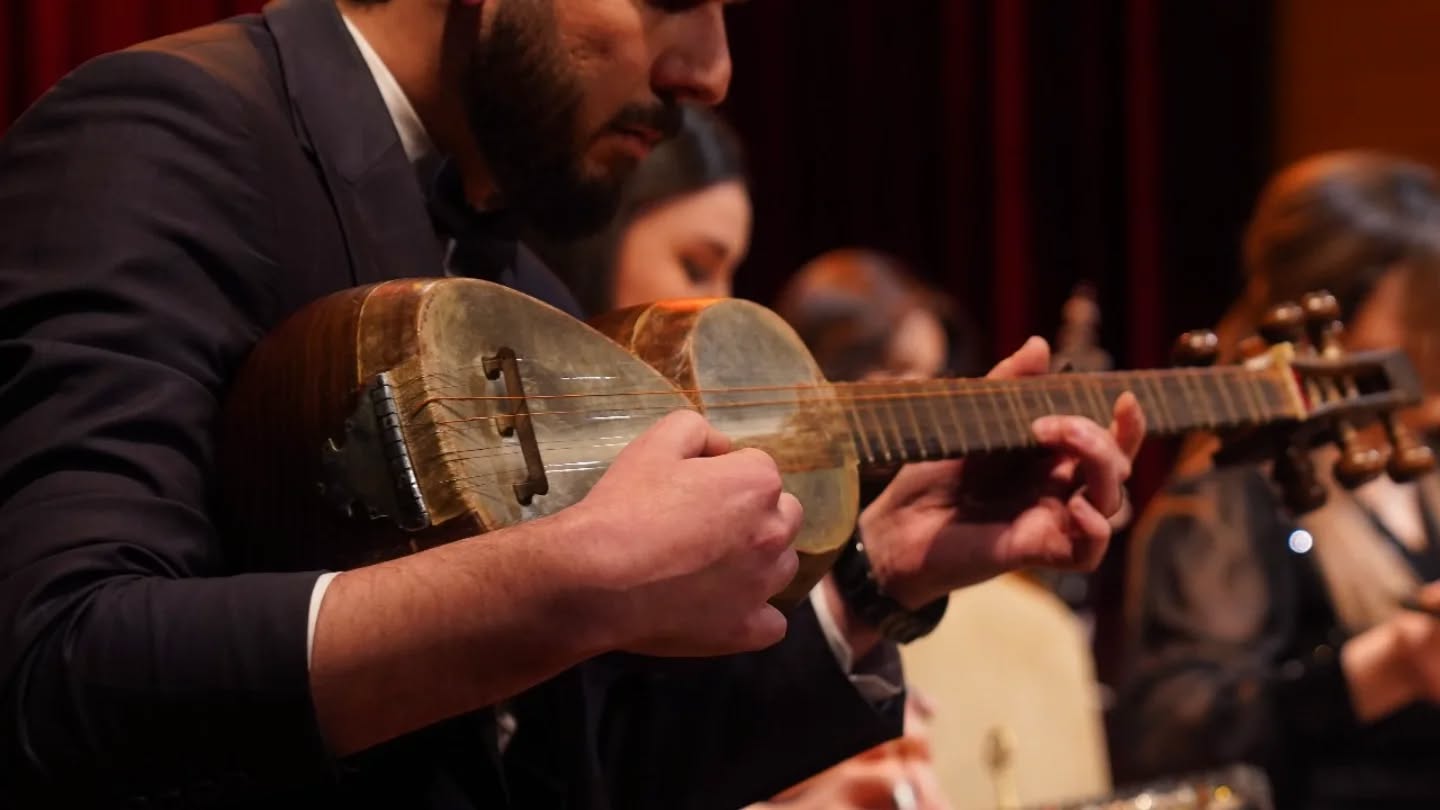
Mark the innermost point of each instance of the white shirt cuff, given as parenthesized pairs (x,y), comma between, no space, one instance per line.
(316,597)
(878,678)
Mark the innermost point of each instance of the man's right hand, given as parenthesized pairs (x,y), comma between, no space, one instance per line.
(690,540)
(673,553)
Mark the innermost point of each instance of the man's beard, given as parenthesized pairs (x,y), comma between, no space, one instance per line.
(524,109)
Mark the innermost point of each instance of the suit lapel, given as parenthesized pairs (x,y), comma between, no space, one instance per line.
(340,112)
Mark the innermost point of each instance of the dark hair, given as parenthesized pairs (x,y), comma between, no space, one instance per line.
(846,304)
(703,153)
(1338,221)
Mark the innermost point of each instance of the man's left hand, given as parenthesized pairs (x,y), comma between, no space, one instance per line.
(941,525)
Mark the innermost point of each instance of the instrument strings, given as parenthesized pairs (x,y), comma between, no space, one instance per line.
(831,393)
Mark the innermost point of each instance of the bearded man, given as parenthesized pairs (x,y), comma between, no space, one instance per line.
(165,207)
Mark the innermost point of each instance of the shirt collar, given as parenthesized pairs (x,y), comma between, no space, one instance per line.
(419,148)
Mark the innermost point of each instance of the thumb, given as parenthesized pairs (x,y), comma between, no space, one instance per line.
(1031,359)
(686,434)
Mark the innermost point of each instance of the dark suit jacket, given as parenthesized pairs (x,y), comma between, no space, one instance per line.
(160,210)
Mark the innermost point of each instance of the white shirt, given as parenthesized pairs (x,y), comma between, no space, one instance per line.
(875,686)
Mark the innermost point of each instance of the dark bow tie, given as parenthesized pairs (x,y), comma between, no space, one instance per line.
(485,242)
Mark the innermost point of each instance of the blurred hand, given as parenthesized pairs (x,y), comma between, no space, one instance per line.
(897,775)
(1395,663)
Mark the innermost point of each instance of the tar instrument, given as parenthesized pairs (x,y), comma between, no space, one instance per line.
(386,419)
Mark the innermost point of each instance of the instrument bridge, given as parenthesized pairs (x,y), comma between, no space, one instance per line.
(515,421)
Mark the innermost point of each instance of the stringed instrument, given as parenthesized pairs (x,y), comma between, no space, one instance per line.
(386,419)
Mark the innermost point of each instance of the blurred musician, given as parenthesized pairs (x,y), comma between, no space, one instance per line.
(1284,642)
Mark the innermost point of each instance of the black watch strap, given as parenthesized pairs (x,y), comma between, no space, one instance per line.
(856,583)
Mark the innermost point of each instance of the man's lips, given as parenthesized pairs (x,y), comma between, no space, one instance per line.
(646,135)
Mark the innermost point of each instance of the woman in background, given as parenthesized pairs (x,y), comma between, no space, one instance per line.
(1283,642)
(682,230)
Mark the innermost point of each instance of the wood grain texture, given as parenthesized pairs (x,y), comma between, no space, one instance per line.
(589,397)
(294,393)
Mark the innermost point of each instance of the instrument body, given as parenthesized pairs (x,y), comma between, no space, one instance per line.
(587,397)
(383,420)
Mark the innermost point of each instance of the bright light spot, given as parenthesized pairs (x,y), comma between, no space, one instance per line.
(1301,542)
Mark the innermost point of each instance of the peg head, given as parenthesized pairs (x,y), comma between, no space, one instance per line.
(1358,466)
(1283,323)
(1410,463)
(1322,321)
(1196,349)
(1410,459)
(1320,307)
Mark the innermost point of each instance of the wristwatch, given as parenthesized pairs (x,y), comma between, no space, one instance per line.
(856,582)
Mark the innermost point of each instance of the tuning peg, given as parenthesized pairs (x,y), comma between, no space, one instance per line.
(1358,465)
(1322,320)
(1299,485)
(1283,323)
(1410,459)
(1196,349)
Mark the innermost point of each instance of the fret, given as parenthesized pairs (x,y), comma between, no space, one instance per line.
(1049,402)
(1095,393)
(1111,387)
(950,395)
(1022,393)
(907,403)
(972,396)
(879,427)
(1272,395)
(890,409)
(1014,400)
(928,395)
(1232,413)
(1191,392)
(1074,390)
(862,442)
(1191,395)
(1156,410)
(1277,393)
(1254,408)
(1036,403)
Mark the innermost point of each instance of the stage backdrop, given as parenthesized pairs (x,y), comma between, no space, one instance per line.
(1007,149)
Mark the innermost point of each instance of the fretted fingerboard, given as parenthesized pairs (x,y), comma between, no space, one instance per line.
(912,421)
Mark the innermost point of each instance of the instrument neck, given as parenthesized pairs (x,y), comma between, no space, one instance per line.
(893,422)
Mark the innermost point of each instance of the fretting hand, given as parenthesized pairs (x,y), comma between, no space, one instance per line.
(944,525)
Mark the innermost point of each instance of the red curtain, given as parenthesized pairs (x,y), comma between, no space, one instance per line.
(43,39)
